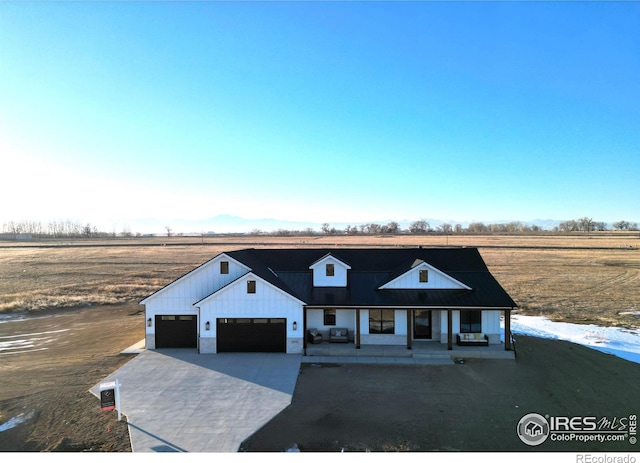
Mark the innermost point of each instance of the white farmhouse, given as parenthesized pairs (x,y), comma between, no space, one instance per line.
(268,300)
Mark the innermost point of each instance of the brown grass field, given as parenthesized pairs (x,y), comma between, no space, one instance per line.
(581,278)
(95,288)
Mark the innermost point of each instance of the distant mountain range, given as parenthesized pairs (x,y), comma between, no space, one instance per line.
(226,223)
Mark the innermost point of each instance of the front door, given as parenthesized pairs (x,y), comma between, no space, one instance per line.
(421,324)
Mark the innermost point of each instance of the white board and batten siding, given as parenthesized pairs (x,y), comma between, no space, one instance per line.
(490,325)
(435,280)
(234,301)
(320,277)
(178,297)
(345,318)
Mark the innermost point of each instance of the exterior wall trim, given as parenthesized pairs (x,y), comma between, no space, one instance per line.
(329,256)
(403,307)
(431,268)
(189,274)
(237,281)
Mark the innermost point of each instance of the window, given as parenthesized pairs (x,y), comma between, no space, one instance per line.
(330,270)
(381,321)
(470,321)
(251,286)
(424,276)
(330,317)
(224,267)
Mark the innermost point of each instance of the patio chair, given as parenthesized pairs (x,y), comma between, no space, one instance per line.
(313,336)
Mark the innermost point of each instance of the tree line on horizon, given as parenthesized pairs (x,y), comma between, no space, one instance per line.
(584,224)
(55,229)
(71,229)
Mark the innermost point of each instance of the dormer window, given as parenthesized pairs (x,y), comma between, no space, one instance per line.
(330,272)
(421,275)
(224,267)
(251,286)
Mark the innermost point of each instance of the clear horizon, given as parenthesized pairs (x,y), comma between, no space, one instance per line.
(227,224)
(113,113)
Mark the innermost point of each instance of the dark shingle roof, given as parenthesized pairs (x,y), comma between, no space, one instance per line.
(288,269)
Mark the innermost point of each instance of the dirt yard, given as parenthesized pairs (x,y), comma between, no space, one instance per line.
(473,406)
(45,380)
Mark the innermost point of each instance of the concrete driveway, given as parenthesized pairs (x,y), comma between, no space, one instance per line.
(177,400)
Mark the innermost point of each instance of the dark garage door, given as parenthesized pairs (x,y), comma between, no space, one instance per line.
(251,335)
(176,331)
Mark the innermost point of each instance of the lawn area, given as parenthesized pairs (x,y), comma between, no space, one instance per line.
(475,406)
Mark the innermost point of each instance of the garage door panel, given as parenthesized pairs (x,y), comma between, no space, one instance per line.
(176,331)
(251,335)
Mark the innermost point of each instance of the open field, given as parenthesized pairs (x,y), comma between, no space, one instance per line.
(581,278)
(578,278)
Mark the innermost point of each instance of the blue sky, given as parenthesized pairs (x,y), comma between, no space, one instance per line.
(113,112)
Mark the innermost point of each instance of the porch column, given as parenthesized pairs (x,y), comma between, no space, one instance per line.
(449,329)
(507,329)
(408,328)
(304,330)
(357,329)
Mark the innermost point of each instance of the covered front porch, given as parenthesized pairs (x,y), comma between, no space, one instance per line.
(426,331)
(420,352)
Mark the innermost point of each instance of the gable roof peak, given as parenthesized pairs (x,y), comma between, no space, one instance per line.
(327,256)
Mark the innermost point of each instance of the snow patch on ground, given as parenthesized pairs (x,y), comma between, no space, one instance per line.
(27,342)
(633,312)
(621,342)
(15,421)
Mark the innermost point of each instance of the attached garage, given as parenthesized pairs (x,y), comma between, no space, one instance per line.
(176,331)
(251,335)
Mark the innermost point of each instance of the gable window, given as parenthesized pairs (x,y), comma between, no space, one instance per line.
(424,276)
(470,321)
(224,267)
(330,317)
(381,321)
(251,286)
(331,271)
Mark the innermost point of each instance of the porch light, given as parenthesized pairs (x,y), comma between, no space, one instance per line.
(149,322)
(295,326)
(207,326)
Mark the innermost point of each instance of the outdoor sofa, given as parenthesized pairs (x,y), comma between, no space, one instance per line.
(472,339)
(338,335)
